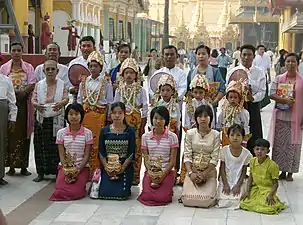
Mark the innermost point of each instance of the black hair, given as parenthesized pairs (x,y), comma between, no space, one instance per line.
(300,55)
(236,128)
(15,44)
(170,47)
(262,143)
(124,46)
(204,110)
(203,47)
(282,51)
(223,49)
(261,46)
(162,111)
(295,55)
(88,38)
(214,53)
(250,47)
(122,106)
(238,48)
(54,43)
(77,107)
(152,50)
(227,94)
(101,66)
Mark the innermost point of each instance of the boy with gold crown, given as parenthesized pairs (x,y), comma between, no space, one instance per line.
(166,95)
(95,94)
(233,111)
(134,96)
(199,89)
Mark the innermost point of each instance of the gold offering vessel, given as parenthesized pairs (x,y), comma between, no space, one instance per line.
(155,170)
(69,168)
(113,165)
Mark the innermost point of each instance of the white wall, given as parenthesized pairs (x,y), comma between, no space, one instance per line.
(60,19)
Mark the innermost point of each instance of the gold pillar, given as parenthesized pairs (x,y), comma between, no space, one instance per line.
(281,35)
(293,42)
(287,36)
(47,7)
(21,13)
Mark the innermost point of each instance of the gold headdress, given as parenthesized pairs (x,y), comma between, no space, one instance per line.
(129,63)
(237,86)
(167,79)
(95,56)
(199,81)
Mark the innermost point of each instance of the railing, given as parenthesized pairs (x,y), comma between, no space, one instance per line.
(296,20)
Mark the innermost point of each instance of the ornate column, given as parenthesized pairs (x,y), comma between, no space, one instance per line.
(287,36)
(134,36)
(76,13)
(293,42)
(126,25)
(117,24)
(98,27)
(106,32)
(21,13)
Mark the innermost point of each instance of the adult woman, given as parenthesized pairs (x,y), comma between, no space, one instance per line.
(73,140)
(213,58)
(212,74)
(280,65)
(23,78)
(150,67)
(117,154)
(159,148)
(201,156)
(49,98)
(287,119)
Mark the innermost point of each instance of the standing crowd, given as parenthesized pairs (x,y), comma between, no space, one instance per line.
(101,137)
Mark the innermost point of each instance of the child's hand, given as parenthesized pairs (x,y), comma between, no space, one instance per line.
(270,200)
(245,196)
(226,189)
(236,190)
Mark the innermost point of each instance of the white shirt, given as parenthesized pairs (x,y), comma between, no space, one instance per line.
(256,79)
(234,165)
(236,55)
(180,78)
(62,74)
(7,92)
(262,62)
(94,85)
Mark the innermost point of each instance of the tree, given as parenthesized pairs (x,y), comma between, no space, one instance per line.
(166,24)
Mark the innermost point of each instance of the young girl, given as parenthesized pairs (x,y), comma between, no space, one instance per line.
(233,111)
(166,95)
(199,88)
(262,186)
(233,168)
(117,143)
(158,146)
(134,96)
(95,94)
(74,142)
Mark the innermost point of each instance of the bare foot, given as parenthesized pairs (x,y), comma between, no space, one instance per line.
(11,172)
(282,176)
(289,177)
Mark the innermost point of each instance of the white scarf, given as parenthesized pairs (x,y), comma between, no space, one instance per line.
(58,121)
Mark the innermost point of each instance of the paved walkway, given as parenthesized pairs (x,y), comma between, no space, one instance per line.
(25,202)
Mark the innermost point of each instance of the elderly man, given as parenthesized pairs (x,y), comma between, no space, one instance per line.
(53,53)
(8,114)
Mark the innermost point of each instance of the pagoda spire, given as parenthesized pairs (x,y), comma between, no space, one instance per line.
(223,15)
(201,16)
(197,14)
(173,21)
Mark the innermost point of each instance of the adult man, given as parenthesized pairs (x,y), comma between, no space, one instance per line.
(262,60)
(223,62)
(257,89)
(8,112)
(46,34)
(72,37)
(170,53)
(53,53)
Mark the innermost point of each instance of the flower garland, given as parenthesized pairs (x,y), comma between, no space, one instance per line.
(93,96)
(129,94)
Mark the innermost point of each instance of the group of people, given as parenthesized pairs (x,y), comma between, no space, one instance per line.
(101,137)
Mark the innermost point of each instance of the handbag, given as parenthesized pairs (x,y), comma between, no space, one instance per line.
(95,185)
(146,68)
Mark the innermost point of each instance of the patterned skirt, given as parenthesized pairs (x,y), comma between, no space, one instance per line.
(17,154)
(284,153)
(46,149)
(3,134)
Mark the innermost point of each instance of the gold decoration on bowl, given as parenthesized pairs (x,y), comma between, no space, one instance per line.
(113,165)
(69,168)
(155,172)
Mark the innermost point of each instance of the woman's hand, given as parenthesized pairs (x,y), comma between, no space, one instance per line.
(194,177)
(289,101)
(40,108)
(236,190)
(57,106)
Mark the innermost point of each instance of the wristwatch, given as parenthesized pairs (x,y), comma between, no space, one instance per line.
(189,173)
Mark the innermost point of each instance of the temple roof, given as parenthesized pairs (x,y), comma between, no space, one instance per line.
(250,16)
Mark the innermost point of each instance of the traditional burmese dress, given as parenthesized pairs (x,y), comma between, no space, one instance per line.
(135,99)
(76,146)
(201,151)
(229,117)
(96,95)
(189,123)
(123,144)
(263,176)
(285,129)
(158,147)
(8,112)
(17,154)
(233,169)
(46,128)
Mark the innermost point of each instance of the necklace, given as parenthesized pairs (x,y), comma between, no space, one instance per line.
(129,94)
(92,96)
